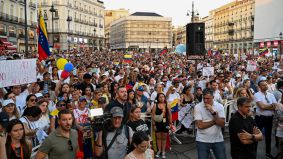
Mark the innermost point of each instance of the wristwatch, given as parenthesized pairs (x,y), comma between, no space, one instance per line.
(214,113)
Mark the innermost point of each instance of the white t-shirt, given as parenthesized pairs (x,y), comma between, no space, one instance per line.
(217,96)
(21,99)
(81,116)
(260,97)
(212,134)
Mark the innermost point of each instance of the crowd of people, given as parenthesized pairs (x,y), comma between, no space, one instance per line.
(141,99)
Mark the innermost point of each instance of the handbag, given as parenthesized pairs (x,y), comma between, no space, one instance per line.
(158,118)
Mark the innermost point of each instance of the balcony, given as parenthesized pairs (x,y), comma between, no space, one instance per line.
(32,5)
(10,17)
(12,34)
(56,17)
(21,2)
(21,20)
(77,20)
(69,4)
(230,24)
(231,32)
(3,33)
(3,16)
(95,25)
(15,19)
(76,7)
(100,26)
(33,23)
(56,2)
(21,36)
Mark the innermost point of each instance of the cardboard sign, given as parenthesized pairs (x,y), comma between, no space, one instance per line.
(251,66)
(208,71)
(17,72)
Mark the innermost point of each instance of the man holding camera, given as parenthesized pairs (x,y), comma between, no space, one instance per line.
(113,140)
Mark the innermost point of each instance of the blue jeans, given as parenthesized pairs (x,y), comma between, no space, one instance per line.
(218,149)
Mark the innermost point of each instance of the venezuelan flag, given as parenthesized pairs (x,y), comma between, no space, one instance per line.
(263,52)
(163,51)
(43,46)
(128,58)
(174,109)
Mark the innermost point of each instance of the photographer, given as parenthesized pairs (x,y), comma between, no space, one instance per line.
(113,140)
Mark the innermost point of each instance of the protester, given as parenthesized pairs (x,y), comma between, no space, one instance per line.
(61,143)
(135,122)
(244,134)
(10,108)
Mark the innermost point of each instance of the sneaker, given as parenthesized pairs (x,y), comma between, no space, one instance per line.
(269,156)
(157,154)
(163,155)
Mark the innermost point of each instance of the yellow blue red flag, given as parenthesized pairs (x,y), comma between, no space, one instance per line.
(43,46)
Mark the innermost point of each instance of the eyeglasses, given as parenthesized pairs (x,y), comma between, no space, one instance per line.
(46,96)
(70,145)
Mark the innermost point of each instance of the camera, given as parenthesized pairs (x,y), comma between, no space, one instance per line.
(99,120)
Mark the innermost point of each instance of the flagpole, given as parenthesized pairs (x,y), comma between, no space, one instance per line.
(26,29)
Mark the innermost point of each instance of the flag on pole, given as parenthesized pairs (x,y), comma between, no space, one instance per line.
(263,52)
(43,46)
(128,58)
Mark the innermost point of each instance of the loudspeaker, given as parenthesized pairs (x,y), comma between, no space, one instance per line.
(195,42)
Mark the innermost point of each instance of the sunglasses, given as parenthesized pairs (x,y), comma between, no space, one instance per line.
(70,145)
(33,100)
(62,105)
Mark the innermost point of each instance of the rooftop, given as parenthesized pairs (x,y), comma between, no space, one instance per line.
(146,14)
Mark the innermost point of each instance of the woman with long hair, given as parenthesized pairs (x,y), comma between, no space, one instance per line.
(30,102)
(15,146)
(105,92)
(135,121)
(186,97)
(140,147)
(131,97)
(162,119)
(10,108)
(113,89)
(44,121)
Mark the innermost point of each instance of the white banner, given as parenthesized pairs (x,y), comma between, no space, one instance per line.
(208,71)
(17,72)
(251,66)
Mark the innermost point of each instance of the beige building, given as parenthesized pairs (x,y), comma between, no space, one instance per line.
(179,35)
(85,28)
(209,30)
(234,26)
(109,17)
(141,30)
(12,20)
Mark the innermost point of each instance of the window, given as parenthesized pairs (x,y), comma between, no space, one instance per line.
(2,6)
(21,12)
(56,13)
(12,10)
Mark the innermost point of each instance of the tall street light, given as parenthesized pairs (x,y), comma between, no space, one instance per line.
(94,31)
(69,19)
(26,29)
(280,45)
(52,10)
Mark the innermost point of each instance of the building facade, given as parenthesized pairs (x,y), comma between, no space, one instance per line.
(209,31)
(109,17)
(234,26)
(12,21)
(141,30)
(77,24)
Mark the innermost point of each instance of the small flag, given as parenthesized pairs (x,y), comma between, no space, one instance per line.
(43,46)
(263,52)
(209,52)
(128,58)
(163,51)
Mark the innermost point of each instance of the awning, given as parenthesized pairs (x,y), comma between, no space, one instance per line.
(5,42)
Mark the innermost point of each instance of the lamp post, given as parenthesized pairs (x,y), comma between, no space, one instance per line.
(26,29)
(280,45)
(193,12)
(69,19)
(52,10)
(94,31)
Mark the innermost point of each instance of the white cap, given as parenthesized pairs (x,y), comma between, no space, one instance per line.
(136,69)
(38,95)
(8,101)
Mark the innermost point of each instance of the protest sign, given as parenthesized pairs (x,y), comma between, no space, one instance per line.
(17,72)
(208,71)
(251,66)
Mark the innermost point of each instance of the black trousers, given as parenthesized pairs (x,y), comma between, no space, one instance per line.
(265,122)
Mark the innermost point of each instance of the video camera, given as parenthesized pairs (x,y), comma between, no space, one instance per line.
(99,120)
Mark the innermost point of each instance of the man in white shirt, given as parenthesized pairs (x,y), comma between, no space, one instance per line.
(216,92)
(266,104)
(210,118)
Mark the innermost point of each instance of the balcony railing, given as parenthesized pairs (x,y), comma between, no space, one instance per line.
(21,2)
(69,4)
(100,26)
(15,19)
(56,17)
(12,34)
(32,5)
(21,20)
(10,17)
(3,33)
(77,20)
(33,23)
(21,36)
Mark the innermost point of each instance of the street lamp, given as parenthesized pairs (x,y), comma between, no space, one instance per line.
(52,10)
(280,45)
(192,13)
(69,19)
(94,31)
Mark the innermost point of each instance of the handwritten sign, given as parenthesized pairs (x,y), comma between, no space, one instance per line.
(17,72)
(251,66)
(208,71)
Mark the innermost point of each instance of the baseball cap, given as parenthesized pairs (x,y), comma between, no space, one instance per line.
(60,99)
(82,98)
(4,119)
(8,101)
(238,75)
(117,111)
(140,88)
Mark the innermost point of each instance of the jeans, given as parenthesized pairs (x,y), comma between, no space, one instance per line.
(218,149)
(265,122)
